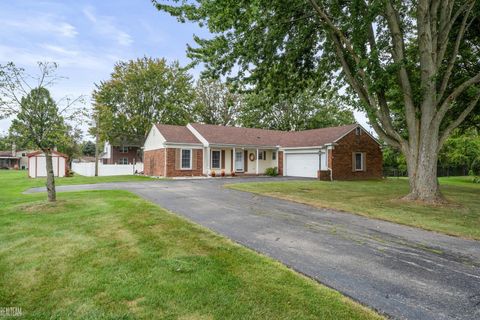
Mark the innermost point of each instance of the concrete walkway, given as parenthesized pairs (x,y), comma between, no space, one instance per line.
(404,272)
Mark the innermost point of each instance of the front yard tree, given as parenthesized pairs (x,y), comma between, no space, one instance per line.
(139,93)
(38,120)
(413,65)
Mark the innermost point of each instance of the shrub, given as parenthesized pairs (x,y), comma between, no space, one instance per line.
(476,180)
(273,172)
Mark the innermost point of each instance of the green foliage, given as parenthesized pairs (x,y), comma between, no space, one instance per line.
(88,148)
(216,103)
(139,93)
(273,172)
(39,121)
(300,112)
(462,149)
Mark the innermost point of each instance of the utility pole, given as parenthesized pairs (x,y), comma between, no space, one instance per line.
(97,139)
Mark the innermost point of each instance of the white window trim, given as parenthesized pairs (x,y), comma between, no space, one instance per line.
(362,157)
(123,162)
(219,160)
(122,149)
(181,159)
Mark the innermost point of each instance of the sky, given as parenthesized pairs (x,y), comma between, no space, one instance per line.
(86,38)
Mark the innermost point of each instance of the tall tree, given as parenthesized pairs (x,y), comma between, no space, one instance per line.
(293,113)
(139,93)
(413,65)
(216,103)
(88,148)
(38,119)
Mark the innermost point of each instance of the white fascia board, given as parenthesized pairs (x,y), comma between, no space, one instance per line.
(183,145)
(198,135)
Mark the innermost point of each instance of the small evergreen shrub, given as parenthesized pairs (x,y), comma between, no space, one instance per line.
(273,172)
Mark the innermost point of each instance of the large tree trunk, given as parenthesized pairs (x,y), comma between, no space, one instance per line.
(52,195)
(422,172)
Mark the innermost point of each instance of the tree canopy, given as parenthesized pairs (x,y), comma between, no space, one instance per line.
(294,113)
(141,92)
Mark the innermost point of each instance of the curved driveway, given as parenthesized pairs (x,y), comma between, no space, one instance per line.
(404,272)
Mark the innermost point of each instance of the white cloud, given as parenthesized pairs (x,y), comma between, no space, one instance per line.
(43,24)
(105,25)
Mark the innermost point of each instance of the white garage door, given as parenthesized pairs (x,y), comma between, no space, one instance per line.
(301,165)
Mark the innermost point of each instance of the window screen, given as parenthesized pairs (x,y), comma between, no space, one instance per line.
(186,158)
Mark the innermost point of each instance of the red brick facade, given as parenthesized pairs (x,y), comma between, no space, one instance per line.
(341,157)
(280,163)
(115,156)
(154,164)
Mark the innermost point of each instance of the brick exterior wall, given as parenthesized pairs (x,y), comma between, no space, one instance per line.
(154,163)
(173,169)
(341,157)
(280,163)
(116,155)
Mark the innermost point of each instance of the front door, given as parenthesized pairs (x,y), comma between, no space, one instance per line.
(239,161)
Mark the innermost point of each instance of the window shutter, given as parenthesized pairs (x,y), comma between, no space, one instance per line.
(222,166)
(178,158)
(245,160)
(194,159)
(353,162)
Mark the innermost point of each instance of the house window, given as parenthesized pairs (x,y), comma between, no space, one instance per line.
(359,161)
(274,155)
(216,159)
(186,162)
(260,155)
(123,161)
(358,131)
(123,149)
(24,154)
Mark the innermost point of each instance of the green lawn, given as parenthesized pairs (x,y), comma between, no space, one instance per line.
(112,255)
(381,200)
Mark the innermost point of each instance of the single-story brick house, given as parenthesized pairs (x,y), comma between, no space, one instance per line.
(337,153)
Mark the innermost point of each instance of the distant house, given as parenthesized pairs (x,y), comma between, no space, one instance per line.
(14,159)
(37,165)
(337,153)
(122,153)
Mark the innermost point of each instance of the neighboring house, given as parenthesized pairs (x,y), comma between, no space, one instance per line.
(338,153)
(14,159)
(9,160)
(121,153)
(37,166)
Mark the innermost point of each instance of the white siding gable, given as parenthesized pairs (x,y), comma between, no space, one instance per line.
(154,140)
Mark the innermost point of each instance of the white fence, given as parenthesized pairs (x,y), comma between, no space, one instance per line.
(88,169)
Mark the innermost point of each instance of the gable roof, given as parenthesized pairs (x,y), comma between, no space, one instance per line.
(40,152)
(216,134)
(177,134)
(226,135)
(315,137)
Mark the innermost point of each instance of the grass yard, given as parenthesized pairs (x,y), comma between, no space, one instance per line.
(112,255)
(380,200)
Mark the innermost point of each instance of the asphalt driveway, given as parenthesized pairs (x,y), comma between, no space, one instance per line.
(403,272)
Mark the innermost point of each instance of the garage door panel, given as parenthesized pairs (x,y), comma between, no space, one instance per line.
(302,165)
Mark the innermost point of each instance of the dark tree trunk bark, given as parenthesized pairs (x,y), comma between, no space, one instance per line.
(52,195)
